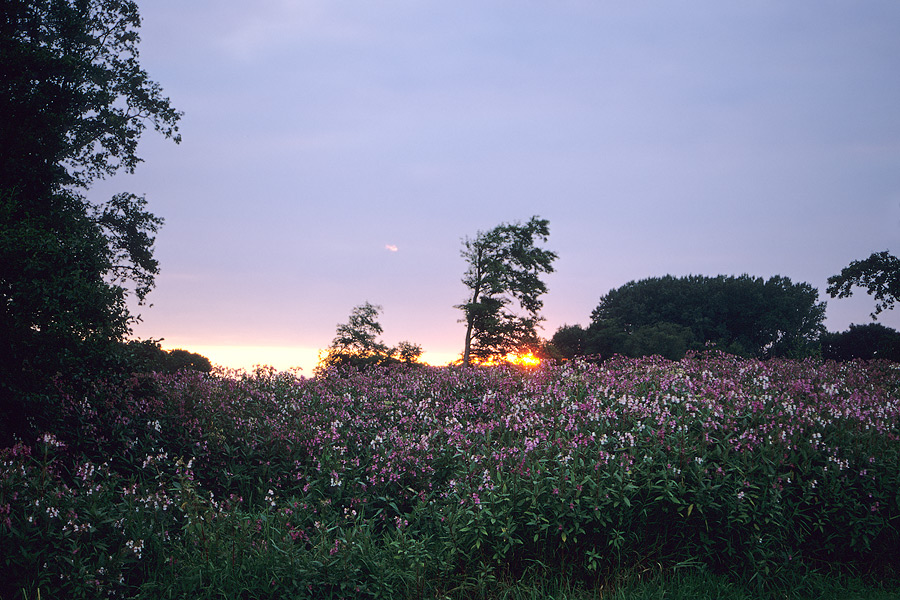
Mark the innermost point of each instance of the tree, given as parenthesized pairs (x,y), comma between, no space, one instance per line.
(358,335)
(864,342)
(407,352)
(148,356)
(669,340)
(741,315)
(879,274)
(504,269)
(75,99)
(356,341)
(610,337)
(75,102)
(570,341)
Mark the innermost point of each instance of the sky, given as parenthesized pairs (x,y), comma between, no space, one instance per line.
(338,151)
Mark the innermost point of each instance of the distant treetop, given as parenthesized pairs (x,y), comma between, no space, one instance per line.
(744,315)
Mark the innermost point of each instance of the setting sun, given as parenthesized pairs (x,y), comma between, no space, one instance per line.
(520,359)
(524,360)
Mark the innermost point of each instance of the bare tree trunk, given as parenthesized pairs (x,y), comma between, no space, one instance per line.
(470,319)
(468,342)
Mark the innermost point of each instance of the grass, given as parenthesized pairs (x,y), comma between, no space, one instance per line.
(695,584)
(692,585)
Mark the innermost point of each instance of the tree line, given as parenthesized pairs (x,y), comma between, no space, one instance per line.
(666,316)
(746,316)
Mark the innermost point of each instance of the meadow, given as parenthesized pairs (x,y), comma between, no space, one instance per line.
(571,480)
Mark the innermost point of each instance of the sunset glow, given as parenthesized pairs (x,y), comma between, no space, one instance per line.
(281,357)
(289,357)
(523,360)
(247,358)
(528,360)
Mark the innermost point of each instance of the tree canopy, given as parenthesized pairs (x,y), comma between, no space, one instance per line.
(357,344)
(879,275)
(74,102)
(148,355)
(744,315)
(74,97)
(503,275)
(863,342)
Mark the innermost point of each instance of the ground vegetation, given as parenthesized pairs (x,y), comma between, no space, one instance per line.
(751,478)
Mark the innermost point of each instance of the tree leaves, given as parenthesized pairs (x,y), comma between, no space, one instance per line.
(356,343)
(879,274)
(74,102)
(743,315)
(77,100)
(504,269)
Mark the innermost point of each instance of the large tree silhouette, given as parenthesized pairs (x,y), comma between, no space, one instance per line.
(504,272)
(74,102)
(743,315)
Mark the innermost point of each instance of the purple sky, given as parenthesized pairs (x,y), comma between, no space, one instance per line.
(656,137)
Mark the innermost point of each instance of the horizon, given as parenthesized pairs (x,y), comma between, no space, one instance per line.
(333,155)
(284,358)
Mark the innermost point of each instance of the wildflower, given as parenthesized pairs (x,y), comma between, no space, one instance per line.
(135,546)
(50,440)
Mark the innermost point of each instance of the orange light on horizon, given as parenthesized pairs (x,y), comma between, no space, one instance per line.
(527,360)
(282,358)
(285,358)
(523,360)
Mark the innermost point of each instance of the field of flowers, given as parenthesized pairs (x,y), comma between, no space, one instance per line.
(436,481)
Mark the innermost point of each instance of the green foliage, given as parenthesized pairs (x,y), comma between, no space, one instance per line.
(747,477)
(74,101)
(504,269)
(59,311)
(742,315)
(148,356)
(865,342)
(356,343)
(610,337)
(879,275)
(407,352)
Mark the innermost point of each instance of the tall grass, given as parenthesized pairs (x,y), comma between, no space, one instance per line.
(569,480)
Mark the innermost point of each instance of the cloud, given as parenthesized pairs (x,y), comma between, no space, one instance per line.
(390,247)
